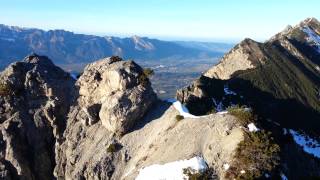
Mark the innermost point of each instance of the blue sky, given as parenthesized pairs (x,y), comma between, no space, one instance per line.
(204,20)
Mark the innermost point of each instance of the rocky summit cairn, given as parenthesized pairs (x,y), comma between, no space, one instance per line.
(116,92)
(35,97)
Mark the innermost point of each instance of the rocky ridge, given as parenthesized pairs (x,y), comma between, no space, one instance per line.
(108,124)
(239,58)
(279,79)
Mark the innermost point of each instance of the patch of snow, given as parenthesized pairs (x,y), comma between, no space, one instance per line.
(247,109)
(219,106)
(285,132)
(181,108)
(309,145)
(312,37)
(172,170)
(227,91)
(222,112)
(226,166)
(283,177)
(253,128)
(266,175)
(73,76)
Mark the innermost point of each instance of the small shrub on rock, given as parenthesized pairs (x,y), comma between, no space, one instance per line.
(179,117)
(255,155)
(244,115)
(208,174)
(115,59)
(146,74)
(4,89)
(211,111)
(112,148)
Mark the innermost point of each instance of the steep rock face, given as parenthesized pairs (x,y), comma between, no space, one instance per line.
(198,97)
(246,55)
(283,89)
(35,98)
(116,92)
(113,96)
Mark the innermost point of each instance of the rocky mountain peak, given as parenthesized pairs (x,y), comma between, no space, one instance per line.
(299,31)
(249,54)
(309,22)
(35,99)
(239,58)
(142,43)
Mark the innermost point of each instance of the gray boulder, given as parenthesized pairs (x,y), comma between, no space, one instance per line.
(116,92)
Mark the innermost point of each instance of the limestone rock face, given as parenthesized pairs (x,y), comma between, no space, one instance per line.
(116,92)
(35,98)
(239,58)
(113,97)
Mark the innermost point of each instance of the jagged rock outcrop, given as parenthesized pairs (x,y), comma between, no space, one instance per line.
(113,96)
(199,96)
(116,92)
(35,98)
(246,55)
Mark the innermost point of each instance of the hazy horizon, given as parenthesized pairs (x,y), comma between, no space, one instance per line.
(207,21)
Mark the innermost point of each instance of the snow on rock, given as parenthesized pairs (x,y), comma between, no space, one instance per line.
(247,109)
(73,76)
(283,177)
(227,91)
(222,112)
(226,166)
(312,36)
(172,170)
(181,108)
(219,106)
(252,127)
(285,132)
(309,145)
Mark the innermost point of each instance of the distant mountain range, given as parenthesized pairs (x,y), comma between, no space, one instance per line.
(66,47)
